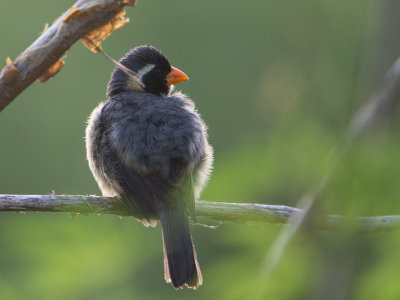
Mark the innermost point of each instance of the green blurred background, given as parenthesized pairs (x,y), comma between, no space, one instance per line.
(277,83)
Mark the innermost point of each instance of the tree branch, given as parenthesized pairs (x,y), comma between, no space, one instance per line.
(219,211)
(82,18)
(380,107)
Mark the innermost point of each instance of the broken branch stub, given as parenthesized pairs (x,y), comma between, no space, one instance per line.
(93,39)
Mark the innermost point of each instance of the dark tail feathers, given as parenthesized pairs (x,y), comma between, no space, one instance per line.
(180,262)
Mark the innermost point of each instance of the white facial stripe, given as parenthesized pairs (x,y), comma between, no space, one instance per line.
(146,69)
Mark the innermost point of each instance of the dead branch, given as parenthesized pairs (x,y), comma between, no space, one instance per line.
(41,60)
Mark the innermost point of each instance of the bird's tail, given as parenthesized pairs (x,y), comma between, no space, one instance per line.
(180,262)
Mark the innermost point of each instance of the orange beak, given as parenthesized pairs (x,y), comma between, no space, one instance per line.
(176,76)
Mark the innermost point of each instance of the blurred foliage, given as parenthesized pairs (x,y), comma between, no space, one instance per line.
(277,82)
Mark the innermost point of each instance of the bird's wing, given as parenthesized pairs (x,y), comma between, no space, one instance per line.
(140,191)
(181,177)
(187,188)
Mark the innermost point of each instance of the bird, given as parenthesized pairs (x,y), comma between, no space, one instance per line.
(149,146)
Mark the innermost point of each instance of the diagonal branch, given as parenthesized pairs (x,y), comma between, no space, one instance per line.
(218,211)
(378,108)
(82,18)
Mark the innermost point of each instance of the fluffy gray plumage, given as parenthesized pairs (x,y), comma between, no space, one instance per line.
(149,135)
(152,151)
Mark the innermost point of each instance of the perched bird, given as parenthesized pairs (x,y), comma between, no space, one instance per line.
(149,147)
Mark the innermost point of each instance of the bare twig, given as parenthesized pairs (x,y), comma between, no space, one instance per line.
(379,107)
(82,18)
(219,211)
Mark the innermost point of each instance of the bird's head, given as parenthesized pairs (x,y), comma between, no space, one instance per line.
(152,73)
